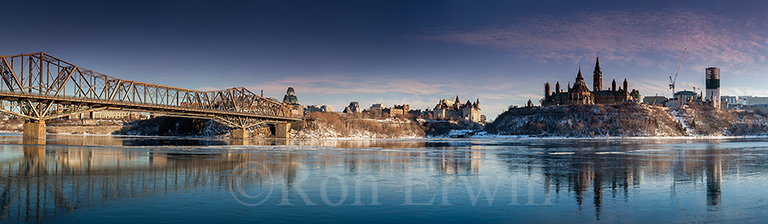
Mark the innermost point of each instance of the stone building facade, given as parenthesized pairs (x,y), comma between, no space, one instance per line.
(292,101)
(110,115)
(580,94)
(354,107)
(398,110)
(376,109)
(454,110)
(317,108)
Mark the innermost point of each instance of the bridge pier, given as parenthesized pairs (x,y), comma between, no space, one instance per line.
(282,130)
(238,133)
(34,129)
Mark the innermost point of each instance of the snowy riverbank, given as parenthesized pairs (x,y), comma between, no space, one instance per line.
(627,120)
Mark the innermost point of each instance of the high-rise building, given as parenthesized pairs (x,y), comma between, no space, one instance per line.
(713,86)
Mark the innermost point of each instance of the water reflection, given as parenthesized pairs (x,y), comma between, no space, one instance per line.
(46,180)
(714,168)
(617,169)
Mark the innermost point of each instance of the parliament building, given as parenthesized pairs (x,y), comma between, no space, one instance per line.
(580,94)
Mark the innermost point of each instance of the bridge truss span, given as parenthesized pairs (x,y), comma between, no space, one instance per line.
(39,87)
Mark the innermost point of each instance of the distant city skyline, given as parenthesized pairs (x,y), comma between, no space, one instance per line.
(400,52)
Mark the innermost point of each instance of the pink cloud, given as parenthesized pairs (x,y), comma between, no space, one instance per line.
(625,35)
(351,85)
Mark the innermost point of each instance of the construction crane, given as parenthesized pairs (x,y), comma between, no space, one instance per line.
(694,88)
(672,81)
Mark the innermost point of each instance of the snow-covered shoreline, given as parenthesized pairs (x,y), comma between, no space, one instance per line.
(628,120)
(486,135)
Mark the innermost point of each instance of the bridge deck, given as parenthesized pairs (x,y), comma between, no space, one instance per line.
(136,106)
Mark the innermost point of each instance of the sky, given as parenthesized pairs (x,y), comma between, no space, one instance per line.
(401,52)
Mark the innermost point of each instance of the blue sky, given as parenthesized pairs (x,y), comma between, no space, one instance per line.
(396,52)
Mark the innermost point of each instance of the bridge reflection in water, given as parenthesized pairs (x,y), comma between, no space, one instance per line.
(41,181)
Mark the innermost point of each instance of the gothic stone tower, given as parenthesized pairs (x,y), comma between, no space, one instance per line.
(580,93)
(597,79)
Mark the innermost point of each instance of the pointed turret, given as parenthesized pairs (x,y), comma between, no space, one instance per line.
(546,92)
(613,85)
(597,79)
(457,103)
(625,86)
(477,103)
(557,87)
(579,77)
(597,67)
(569,85)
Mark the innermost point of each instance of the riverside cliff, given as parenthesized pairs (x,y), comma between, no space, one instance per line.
(339,125)
(626,120)
(618,120)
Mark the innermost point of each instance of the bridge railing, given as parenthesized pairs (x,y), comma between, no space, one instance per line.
(45,75)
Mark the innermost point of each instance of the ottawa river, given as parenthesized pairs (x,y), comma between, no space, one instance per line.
(108,179)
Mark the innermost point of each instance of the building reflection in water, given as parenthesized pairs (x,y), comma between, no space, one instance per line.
(460,161)
(38,183)
(714,169)
(581,170)
(49,179)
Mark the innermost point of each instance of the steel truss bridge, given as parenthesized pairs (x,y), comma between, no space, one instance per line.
(39,87)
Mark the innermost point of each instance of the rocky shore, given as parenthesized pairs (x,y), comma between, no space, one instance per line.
(627,120)
(618,120)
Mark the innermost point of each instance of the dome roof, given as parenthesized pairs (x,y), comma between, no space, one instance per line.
(290,91)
